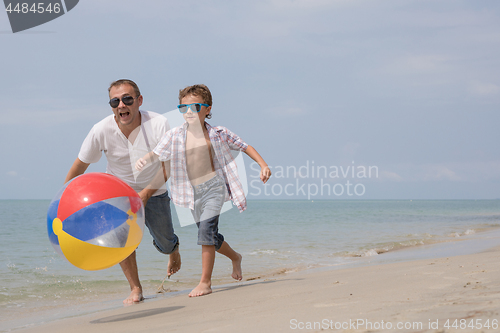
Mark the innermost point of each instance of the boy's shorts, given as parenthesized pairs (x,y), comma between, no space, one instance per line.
(208,200)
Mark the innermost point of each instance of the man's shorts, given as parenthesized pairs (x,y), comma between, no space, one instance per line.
(159,222)
(208,200)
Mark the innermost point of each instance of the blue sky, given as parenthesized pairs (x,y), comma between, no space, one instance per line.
(411,87)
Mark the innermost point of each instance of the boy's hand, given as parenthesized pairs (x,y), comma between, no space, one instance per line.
(140,164)
(265,173)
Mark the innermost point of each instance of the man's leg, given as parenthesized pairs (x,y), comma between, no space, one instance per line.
(129,268)
(174,262)
(159,223)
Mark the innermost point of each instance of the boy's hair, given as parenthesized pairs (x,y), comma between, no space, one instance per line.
(200,90)
(120,82)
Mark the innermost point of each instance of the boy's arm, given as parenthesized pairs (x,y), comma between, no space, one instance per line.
(159,179)
(163,172)
(148,158)
(265,172)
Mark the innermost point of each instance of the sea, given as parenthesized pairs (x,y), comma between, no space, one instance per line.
(37,285)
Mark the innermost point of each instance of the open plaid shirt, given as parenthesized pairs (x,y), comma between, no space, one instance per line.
(172,146)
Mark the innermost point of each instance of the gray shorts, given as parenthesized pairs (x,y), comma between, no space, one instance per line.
(208,200)
(159,222)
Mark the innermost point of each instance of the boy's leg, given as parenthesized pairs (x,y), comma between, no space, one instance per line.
(210,241)
(207,266)
(208,204)
(235,257)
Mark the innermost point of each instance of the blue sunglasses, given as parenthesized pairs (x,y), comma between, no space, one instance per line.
(195,107)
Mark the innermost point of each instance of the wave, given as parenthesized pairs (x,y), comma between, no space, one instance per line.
(424,239)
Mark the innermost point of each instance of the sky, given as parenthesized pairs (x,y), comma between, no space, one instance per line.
(404,93)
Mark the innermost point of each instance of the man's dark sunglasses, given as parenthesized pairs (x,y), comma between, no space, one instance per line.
(127,100)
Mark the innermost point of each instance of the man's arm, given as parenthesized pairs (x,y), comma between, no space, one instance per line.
(78,168)
(265,172)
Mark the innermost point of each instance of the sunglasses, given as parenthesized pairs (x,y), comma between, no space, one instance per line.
(127,100)
(195,107)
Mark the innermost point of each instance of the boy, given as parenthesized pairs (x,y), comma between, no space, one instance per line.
(204,176)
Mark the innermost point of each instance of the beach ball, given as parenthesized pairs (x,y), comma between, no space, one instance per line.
(95,221)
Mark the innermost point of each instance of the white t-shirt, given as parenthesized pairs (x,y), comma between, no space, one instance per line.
(106,136)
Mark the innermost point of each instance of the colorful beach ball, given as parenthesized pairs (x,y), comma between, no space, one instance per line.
(95,221)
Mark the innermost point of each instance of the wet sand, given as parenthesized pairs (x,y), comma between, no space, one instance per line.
(423,295)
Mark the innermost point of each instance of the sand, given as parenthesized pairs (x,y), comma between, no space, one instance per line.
(421,295)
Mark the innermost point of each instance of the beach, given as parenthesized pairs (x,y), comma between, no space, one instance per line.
(302,261)
(376,120)
(446,294)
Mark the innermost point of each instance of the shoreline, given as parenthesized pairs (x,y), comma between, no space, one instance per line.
(476,245)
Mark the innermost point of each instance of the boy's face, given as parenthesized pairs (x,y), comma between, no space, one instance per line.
(195,117)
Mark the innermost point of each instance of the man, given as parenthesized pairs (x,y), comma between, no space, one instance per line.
(125,136)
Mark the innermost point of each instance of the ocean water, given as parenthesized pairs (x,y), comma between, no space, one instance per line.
(274,237)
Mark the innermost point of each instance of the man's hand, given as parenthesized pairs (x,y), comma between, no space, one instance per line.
(145,195)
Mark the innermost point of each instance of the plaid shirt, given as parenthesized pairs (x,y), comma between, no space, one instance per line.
(172,146)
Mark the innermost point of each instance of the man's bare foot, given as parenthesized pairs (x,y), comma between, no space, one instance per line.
(201,289)
(134,297)
(174,263)
(237,274)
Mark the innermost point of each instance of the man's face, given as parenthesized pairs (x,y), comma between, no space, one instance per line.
(126,115)
(195,117)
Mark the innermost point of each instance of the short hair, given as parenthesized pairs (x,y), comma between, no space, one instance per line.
(200,90)
(120,82)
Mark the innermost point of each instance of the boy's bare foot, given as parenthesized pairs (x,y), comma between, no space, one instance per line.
(237,274)
(201,289)
(134,297)
(174,263)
